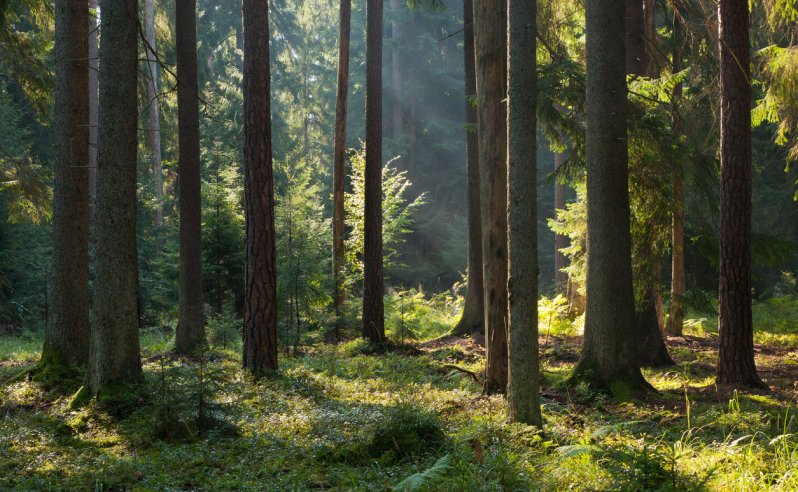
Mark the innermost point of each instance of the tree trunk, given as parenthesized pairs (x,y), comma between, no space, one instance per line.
(93,110)
(153,110)
(339,166)
(636,51)
(115,336)
(735,325)
(523,379)
(260,289)
(190,335)
(490,41)
(471,322)
(560,241)
(609,351)
(66,340)
(675,324)
(373,309)
(396,73)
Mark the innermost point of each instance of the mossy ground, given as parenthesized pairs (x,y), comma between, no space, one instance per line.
(334,418)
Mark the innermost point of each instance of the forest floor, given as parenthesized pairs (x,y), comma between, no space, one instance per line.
(338,418)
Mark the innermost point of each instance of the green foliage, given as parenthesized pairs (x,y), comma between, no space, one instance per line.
(426,479)
(412,315)
(405,431)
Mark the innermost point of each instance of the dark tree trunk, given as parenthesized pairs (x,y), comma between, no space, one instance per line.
(609,354)
(490,46)
(560,241)
(471,322)
(93,110)
(735,325)
(260,289)
(190,335)
(373,309)
(651,348)
(115,335)
(637,61)
(339,165)
(66,340)
(675,323)
(523,379)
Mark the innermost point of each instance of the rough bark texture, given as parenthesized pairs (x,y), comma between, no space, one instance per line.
(560,241)
(490,41)
(651,348)
(153,110)
(339,159)
(471,321)
(93,110)
(114,354)
(675,323)
(735,325)
(609,350)
(190,335)
(260,289)
(373,308)
(66,339)
(637,60)
(523,378)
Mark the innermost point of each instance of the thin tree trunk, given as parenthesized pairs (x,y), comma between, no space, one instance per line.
(190,335)
(490,41)
(66,339)
(636,51)
(560,241)
(735,325)
(153,110)
(114,356)
(93,110)
(609,353)
(396,73)
(339,166)
(675,324)
(373,309)
(472,322)
(260,289)
(523,379)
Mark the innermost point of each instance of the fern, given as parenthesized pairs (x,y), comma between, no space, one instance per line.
(421,481)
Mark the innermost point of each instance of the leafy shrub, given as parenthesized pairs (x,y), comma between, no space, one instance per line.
(406,431)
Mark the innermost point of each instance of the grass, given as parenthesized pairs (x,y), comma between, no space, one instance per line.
(336,418)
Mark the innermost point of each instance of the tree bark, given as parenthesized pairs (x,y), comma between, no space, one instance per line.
(260,289)
(66,340)
(373,309)
(675,324)
(471,321)
(637,62)
(190,335)
(93,110)
(523,378)
(490,47)
(153,110)
(560,241)
(114,356)
(735,325)
(609,350)
(339,165)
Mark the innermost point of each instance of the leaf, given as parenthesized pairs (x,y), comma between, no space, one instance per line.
(613,429)
(420,481)
(576,450)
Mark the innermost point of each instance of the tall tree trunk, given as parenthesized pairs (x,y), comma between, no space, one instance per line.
(339,165)
(735,325)
(153,109)
(560,241)
(675,324)
(373,309)
(490,41)
(609,349)
(114,354)
(260,289)
(66,340)
(396,73)
(190,334)
(471,322)
(93,110)
(523,379)
(636,52)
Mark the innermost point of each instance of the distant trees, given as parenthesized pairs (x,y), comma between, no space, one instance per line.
(373,308)
(153,108)
(190,333)
(67,335)
(735,325)
(260,290)
(523,388)
(114,355)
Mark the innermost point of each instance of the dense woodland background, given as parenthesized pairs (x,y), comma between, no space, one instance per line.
(422,409)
